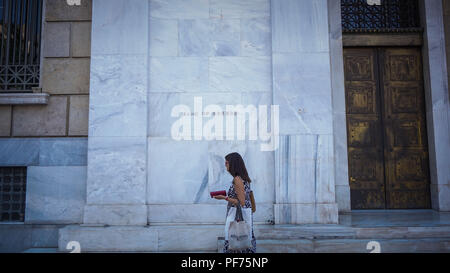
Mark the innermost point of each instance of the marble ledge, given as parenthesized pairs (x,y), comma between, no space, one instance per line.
(24,98)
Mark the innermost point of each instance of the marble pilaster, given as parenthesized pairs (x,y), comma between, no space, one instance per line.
(117,144)
(304,163)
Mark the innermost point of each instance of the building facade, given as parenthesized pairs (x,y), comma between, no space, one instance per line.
(363,116)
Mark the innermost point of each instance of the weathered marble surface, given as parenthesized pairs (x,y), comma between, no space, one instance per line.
(43,152)
(213,212)
(178,74)
(239,9)
(339,110)
(179,9)
(116,170)
(304,163)
(55,194)
(117,103)
(163,37)
(63,151)
(193,177)
(302,88)
(116,181)
(240,74)
(119,28)
(115,215)
(299,26)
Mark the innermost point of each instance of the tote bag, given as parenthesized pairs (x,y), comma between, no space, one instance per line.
(238,228)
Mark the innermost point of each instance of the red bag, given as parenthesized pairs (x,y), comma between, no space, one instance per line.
(215,193)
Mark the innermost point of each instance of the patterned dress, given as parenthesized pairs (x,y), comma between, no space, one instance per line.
(232,194)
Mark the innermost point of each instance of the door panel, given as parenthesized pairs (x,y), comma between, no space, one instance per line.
(386,131)
(365,148)
(406,154)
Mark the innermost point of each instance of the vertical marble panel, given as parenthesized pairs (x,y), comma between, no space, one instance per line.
(163,37)
(299,26)
(437,102)
(116,170)
(119,27)
(339,111)
(325,176)
(240,74)
(117,103)
(178,74)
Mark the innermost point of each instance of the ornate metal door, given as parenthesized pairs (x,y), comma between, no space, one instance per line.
(386,134)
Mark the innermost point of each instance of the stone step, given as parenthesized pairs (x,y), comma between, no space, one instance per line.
(425,245)
(41,250)
(345,232)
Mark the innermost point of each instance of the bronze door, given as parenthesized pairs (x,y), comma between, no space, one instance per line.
(386,134)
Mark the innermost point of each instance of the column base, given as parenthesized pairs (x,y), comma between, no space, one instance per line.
(324,213)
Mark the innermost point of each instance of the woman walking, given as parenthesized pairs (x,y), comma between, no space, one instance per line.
(239,191)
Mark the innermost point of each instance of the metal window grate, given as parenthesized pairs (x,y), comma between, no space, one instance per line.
(12,193)
(389,16)
(20,43)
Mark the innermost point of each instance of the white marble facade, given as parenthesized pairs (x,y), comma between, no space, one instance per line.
(150,55)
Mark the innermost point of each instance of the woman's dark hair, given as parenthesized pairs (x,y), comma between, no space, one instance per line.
(237,166)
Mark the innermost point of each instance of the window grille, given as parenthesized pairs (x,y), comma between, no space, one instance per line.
(388,16)
(12,193)
(20,43)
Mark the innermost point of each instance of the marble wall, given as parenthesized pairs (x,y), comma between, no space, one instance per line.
(219,51)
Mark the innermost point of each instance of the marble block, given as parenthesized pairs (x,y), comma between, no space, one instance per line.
(119,27)
(209,37)
(299,26)
(256,38)
(302,89)
(63,151)
(306,213)
(55,194)
(116,170)
(240,74)
(179,9)
(178,74)
(118,100)
(163,37)
(115,215)
(239,9)
(304,169)
(19,151)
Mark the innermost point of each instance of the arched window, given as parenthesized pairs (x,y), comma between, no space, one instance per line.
(20,44)
(380,15)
